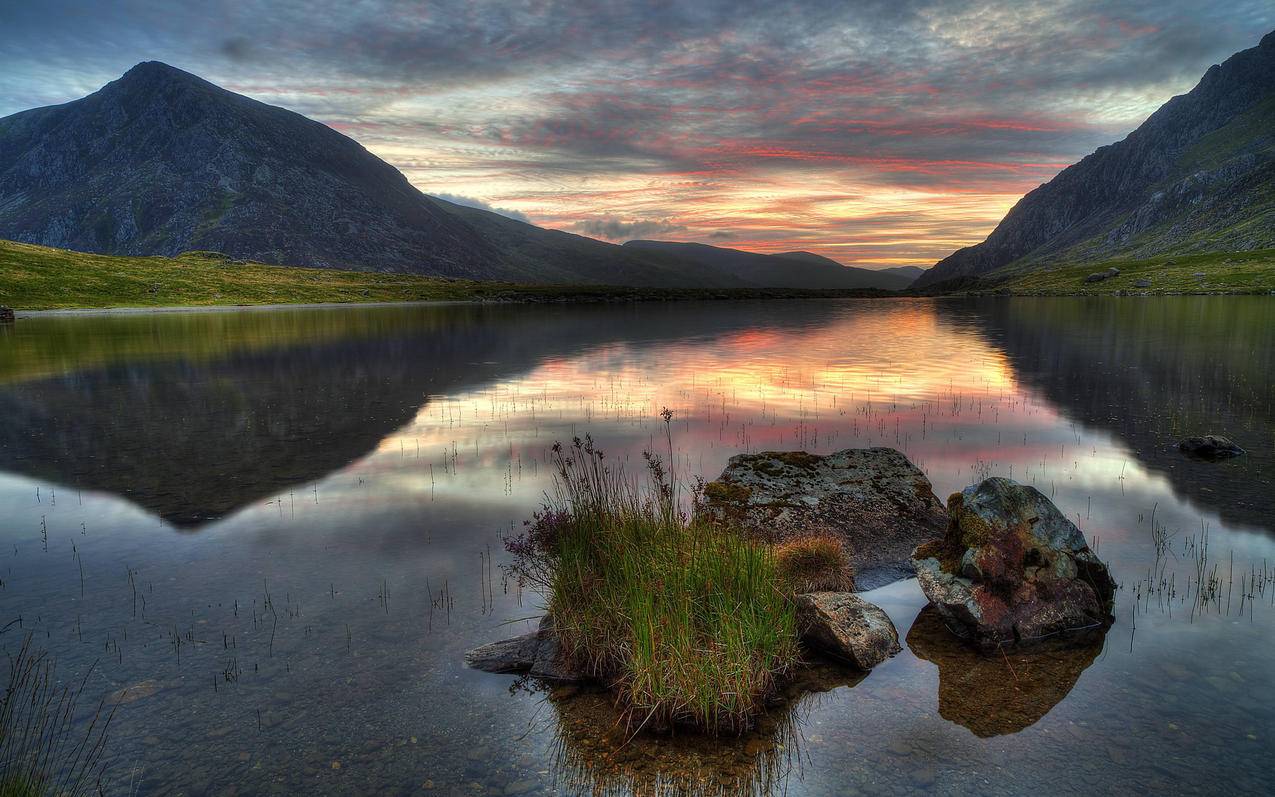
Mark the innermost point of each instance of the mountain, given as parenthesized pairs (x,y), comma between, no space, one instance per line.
(787,270)
(911,272)
(160,162)
(1197,176)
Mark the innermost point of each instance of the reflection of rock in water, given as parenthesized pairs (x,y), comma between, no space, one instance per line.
(1001,693)
(597,756)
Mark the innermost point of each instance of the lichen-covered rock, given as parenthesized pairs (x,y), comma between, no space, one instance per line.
(874,500)
(535,654)
(1011,568)
(1210,446)
(847,627)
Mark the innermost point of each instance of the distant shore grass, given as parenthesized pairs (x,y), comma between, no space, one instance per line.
(1218,272)
(43,278)
(690,625)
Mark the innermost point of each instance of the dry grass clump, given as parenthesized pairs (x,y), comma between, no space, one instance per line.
(814,563)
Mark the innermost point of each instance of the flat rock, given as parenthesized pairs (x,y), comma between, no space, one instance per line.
(847,627)
(874,500)
(1011,568)
(1210,446)
(535,654)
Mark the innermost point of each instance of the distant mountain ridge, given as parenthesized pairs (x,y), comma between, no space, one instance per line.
(1197,176)
(161,162)
(783,270)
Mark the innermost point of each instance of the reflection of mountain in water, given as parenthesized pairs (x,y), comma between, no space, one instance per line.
(194,437)
(995,695)
(1150,372)
(597,756)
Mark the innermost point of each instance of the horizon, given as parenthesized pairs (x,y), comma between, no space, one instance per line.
(707,127)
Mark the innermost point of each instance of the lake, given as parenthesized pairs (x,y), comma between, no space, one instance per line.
(271,535)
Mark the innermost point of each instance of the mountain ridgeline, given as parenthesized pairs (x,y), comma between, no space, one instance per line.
(784,270)
(161,162)
(1197,176)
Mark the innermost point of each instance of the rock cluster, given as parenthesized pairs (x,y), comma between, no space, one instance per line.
(1011,568)
(874,500)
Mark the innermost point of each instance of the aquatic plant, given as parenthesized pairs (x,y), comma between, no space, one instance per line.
(41,752)
(689,623)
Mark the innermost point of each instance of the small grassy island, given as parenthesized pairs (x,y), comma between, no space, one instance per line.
(692,624)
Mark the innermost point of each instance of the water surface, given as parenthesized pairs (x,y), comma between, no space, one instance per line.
(278,531)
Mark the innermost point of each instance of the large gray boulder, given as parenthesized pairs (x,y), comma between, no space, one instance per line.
(847,627)
(874,500)
(1011,568)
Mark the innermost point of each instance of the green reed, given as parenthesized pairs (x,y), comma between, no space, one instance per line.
(41,752)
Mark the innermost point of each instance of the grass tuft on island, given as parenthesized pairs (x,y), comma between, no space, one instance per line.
(690,624)
(43,278)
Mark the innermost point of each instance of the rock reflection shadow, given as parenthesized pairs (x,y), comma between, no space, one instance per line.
(1001,693)
(595,755)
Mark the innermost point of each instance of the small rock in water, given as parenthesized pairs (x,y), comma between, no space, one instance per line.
(847,627)
(874,500)
(535,653)
(1210,446)
(1012,568)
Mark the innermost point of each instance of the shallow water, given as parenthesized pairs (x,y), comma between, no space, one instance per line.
(280,530)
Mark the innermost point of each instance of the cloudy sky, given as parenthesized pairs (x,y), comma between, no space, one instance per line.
(875,132)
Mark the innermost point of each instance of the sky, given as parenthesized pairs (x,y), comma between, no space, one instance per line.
(877,133)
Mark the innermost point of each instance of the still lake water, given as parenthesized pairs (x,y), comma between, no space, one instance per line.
(280,530)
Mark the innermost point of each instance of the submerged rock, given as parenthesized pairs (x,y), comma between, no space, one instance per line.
(1011,568)
(534,654)
(1210,446)
(995,695)
(874,500)
(847,627)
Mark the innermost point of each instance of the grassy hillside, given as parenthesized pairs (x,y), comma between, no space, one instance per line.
(1224,272)
(43,278)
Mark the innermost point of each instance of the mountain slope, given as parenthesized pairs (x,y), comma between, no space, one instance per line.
(1197,176)
(160,162)
(787,270)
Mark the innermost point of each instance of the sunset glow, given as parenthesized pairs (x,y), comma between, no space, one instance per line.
(875,134)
